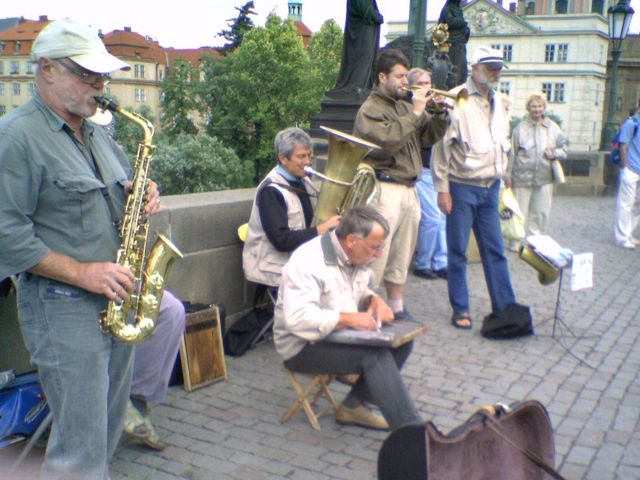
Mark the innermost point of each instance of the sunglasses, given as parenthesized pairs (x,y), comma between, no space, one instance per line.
(85,76)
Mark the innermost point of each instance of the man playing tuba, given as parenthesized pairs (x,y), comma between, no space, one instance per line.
(282,211)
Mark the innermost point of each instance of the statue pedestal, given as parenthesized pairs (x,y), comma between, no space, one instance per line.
(338,112)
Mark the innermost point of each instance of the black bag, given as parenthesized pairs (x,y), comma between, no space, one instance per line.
(246,331)
(513,322)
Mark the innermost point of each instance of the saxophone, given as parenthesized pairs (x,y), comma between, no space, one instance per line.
(150,275)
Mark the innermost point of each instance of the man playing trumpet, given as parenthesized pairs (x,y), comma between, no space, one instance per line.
(401,129)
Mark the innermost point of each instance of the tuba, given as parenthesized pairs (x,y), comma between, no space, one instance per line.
(150,273)
(347,181)
(547,272)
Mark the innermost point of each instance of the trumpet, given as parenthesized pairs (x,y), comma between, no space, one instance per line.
(459,98)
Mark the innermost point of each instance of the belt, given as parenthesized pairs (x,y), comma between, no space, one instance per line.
(383,177)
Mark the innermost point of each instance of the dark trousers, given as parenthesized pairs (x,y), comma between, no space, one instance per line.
(379,369)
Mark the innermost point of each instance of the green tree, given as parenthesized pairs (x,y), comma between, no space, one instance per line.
(178,98)
(198,163)
(128,134)
(264,90)
(238,27)
(325,53)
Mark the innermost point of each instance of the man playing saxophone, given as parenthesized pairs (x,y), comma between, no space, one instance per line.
(63,184)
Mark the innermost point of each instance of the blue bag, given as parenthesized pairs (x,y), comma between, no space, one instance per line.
(22,407)
(614,156)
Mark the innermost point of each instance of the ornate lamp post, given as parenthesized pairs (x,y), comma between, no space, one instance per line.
(619,20)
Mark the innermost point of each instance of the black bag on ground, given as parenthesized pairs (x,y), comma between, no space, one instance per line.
(244,332)
(513,322)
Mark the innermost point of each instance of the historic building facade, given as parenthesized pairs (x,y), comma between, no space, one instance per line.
(559,49)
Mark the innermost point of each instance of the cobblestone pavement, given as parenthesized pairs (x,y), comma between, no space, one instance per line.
(587,377)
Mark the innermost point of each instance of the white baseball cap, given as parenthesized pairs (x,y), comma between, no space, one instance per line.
(490,56)
(69,39)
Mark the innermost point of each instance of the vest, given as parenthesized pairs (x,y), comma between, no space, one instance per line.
(261,262)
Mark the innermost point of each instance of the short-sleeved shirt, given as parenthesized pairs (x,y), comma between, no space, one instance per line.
(627,136)
(57,194)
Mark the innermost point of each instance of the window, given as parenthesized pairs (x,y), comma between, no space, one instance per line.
(563,52)
(1,47)
(138,70)
(562,6)
(141,95)
(29,68)
(597,6)
(549,53)
(1,89)
(18,45)
(1,67)
(507,50)
(554,92)
(530,8)
(505,87)
(32,88)
(14,67)
(15,90)
(558,53)
(3,110)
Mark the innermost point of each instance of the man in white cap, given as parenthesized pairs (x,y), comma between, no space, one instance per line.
(467,167)
(63,184)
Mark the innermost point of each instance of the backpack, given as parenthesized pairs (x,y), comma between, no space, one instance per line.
(22,408)
(614,156)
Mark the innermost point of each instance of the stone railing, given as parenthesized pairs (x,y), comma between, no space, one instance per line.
(204,227)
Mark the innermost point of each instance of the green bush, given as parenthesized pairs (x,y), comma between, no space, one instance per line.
(197,163)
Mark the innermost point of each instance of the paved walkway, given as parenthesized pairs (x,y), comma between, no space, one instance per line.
(589,383)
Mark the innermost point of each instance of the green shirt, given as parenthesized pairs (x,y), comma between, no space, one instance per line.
(51,196)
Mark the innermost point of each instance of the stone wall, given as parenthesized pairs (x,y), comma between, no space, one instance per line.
(204,227)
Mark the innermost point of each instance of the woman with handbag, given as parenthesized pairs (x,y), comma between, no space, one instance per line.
(538,145)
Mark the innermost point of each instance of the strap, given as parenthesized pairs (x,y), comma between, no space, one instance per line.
(532,456)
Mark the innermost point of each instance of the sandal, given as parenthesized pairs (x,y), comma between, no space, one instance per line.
(461,320)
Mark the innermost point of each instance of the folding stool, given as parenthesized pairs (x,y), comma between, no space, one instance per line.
(318,386)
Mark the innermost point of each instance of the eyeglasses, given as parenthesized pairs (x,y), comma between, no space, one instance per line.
(90,78)
(377,248)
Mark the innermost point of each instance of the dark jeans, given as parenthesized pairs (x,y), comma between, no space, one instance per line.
(477,208)
(379,369)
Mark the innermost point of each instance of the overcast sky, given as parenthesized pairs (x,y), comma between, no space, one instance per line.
(194,23)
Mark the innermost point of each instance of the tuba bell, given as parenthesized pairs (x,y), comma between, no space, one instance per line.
(547,272)
(347,182)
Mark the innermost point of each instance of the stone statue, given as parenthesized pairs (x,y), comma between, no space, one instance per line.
(459,31)
(360,44)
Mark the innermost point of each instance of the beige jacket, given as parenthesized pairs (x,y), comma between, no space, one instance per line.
(317,284)
(474,149)
(528,166)
(261,262)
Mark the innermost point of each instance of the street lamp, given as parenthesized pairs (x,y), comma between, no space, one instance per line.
(619,20)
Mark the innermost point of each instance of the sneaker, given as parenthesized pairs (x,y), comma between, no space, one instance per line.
(152,439)
(362,417)
(443,273)
(403,315)
(134,422)
(627,244)
(425,273)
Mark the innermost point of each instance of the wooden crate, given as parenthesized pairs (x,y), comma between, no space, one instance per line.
(201,351)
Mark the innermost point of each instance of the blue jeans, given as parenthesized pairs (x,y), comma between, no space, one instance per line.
(477,208)
(431,249)
(85,374)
